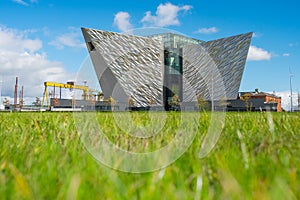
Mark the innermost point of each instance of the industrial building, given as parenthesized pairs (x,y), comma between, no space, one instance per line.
(151,71)
(255,101)
(261,100)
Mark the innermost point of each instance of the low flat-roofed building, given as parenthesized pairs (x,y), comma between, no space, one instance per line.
(269,100)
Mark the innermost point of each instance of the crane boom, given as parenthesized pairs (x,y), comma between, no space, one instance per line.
(85,89)
(64,85)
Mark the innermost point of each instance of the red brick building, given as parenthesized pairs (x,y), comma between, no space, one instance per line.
(268,98)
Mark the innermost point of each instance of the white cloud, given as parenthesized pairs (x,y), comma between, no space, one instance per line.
(207,30)
(121,20)
(257,54)
(166,15)
(286,99)
(70,39)
(186,7)
(22,2)
(293,44)
(286,54)
(16,40)
(21,56)
(256,35)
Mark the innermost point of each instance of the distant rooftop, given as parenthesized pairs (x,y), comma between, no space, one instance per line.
(174,40)
(256,93)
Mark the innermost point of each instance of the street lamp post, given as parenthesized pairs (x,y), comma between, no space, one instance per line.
(212,92)
(0,91)
(291,75)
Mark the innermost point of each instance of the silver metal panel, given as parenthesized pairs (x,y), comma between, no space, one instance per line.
(212,67)
(134,65)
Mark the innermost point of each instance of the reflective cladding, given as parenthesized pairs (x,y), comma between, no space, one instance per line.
(127,66)
(219,61)
(159,66)
(173,45)
(174,41)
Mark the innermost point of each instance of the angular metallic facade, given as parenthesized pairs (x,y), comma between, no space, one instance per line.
(150,70)
(215,67)
(127,66)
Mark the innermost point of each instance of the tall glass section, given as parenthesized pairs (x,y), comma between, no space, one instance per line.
(173,44)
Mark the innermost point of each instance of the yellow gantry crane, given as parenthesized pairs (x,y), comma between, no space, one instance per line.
(85,90)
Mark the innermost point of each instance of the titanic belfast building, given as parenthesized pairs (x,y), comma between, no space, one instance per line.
(152,69)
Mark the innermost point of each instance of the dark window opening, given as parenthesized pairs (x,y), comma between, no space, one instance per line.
(91,46)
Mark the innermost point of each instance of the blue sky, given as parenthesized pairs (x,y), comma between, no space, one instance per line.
(40,40)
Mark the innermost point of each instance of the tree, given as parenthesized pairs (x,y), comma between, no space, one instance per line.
(202,103)
(111,101)
(246,98)
(37,101)
(100,96)
(174,102)
(6,103)
(131,102)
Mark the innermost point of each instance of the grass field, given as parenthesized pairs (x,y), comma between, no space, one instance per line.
(257,157)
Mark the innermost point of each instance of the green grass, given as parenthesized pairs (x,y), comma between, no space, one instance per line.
(256,157)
